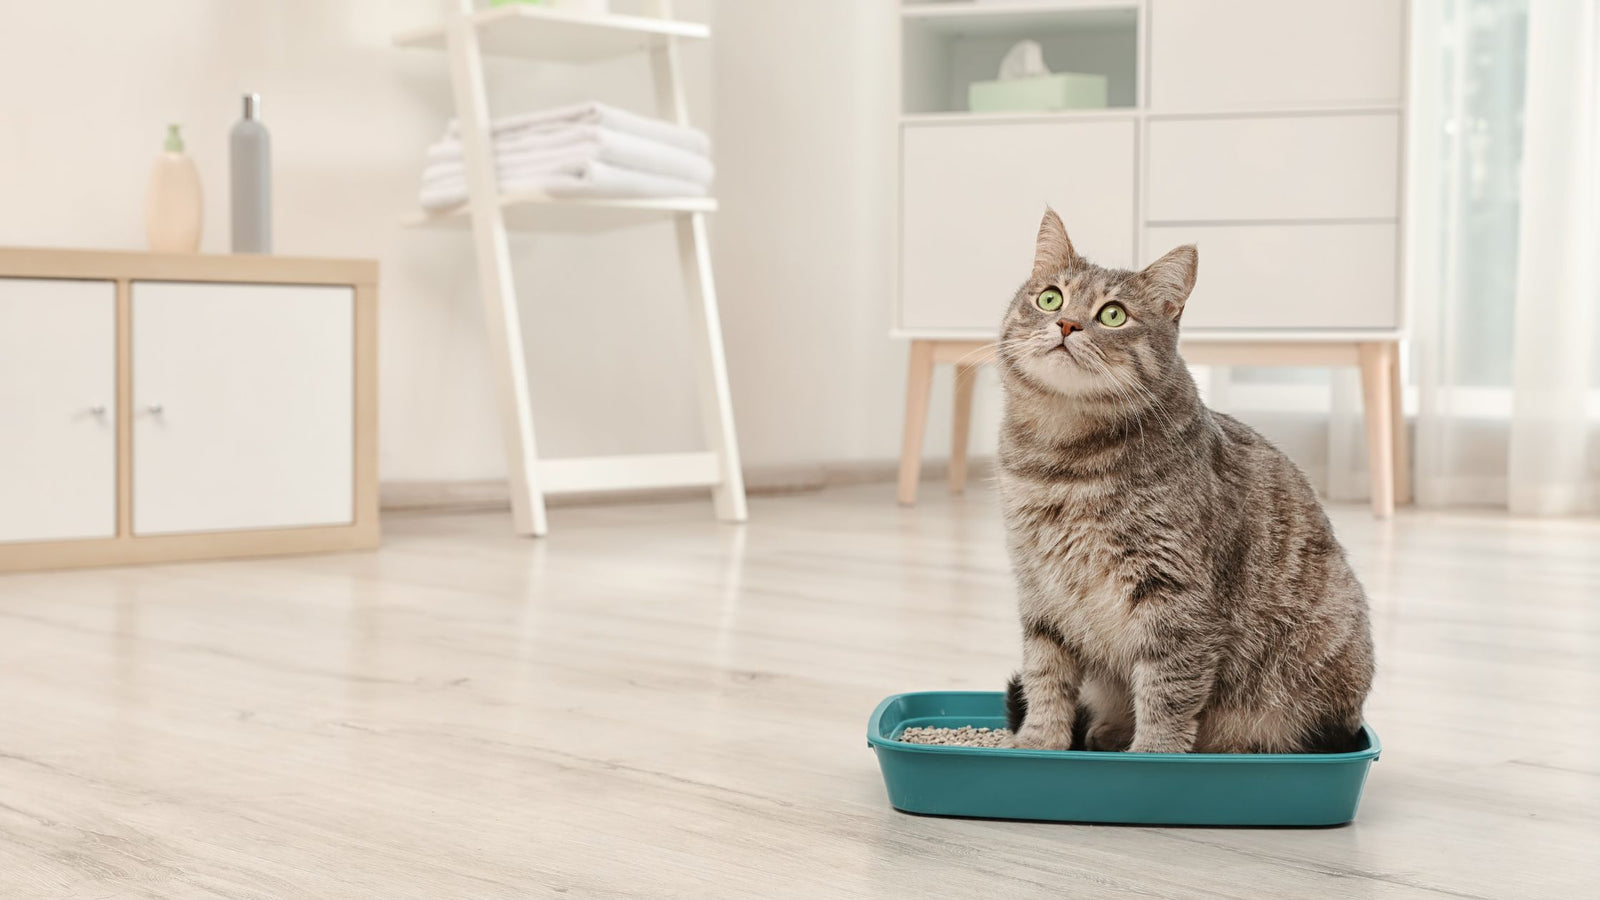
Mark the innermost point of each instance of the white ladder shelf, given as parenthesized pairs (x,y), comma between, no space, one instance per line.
(550,34)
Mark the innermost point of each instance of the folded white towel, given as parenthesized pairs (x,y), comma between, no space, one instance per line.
(593,179)
(564,153)
(556,120)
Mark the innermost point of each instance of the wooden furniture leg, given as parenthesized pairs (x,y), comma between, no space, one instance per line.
(1402,440)
(919,388)
(1388,456)
(961,426)
(1377,390)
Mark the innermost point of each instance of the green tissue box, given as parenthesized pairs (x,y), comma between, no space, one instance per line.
(1042,93)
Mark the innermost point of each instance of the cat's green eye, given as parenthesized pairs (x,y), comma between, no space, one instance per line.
(1049,300)
(1112,315)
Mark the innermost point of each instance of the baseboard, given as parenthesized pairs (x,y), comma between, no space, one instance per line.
(759,481)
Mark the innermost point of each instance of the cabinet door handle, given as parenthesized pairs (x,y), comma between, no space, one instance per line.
(98,410)
(154,409)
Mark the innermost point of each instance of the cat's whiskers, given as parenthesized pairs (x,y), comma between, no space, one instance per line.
(1156,407)
(1109,389)
(1121,388)
(975,355)
(1159,406)
(1154,404)
(1097,357)
(999,349)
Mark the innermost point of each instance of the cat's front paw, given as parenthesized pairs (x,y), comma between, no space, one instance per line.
(1040,738)
(1162,745)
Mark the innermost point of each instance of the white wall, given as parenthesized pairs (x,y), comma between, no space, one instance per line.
(803,98)
(806,106)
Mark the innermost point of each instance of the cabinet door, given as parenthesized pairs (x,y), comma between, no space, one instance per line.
(1256,54)
(1289,276)
(1279,167)
(58,402)
(971,199)
(242,406)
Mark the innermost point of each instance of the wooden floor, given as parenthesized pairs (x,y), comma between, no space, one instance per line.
(651,704)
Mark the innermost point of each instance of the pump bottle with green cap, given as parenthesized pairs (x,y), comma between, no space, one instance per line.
(172,206)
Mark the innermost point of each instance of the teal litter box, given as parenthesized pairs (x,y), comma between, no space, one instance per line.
(1267,789)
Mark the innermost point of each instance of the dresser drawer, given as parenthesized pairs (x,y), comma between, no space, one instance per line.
(1289,276)
(1282,167)
(971,199)
(1256,54)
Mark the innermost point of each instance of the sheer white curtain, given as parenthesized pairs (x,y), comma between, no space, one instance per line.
(1555,456)
(1503,276)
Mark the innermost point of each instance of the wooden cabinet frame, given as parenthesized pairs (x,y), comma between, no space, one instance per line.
(1388,447)
(123,269)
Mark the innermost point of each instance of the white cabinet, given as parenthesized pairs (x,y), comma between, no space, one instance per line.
(1250,127)
(242,406)
(158,407)
(1270,54)
(971,199)
(58,399)
(1268,132)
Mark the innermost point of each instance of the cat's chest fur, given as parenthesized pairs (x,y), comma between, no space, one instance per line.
(1081,563)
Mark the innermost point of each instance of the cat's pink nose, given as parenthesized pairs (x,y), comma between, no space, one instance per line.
(1068,326)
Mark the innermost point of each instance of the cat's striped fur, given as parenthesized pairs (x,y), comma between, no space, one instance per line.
(1179,585)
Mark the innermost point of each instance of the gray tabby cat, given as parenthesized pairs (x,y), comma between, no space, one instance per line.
(1180,587)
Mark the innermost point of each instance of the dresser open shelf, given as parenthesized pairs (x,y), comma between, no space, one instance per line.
(946,46)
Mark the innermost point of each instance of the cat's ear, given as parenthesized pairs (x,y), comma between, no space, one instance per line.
(1169,279)
(1053,251)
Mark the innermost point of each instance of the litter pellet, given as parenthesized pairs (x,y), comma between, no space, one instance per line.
(965,736)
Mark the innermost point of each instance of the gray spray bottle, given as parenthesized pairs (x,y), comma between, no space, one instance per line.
(250,170)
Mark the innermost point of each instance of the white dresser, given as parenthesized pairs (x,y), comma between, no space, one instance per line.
(179,406)
(1270,133)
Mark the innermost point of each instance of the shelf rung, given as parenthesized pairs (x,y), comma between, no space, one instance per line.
(557,35)
(534,212)
(620,473)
